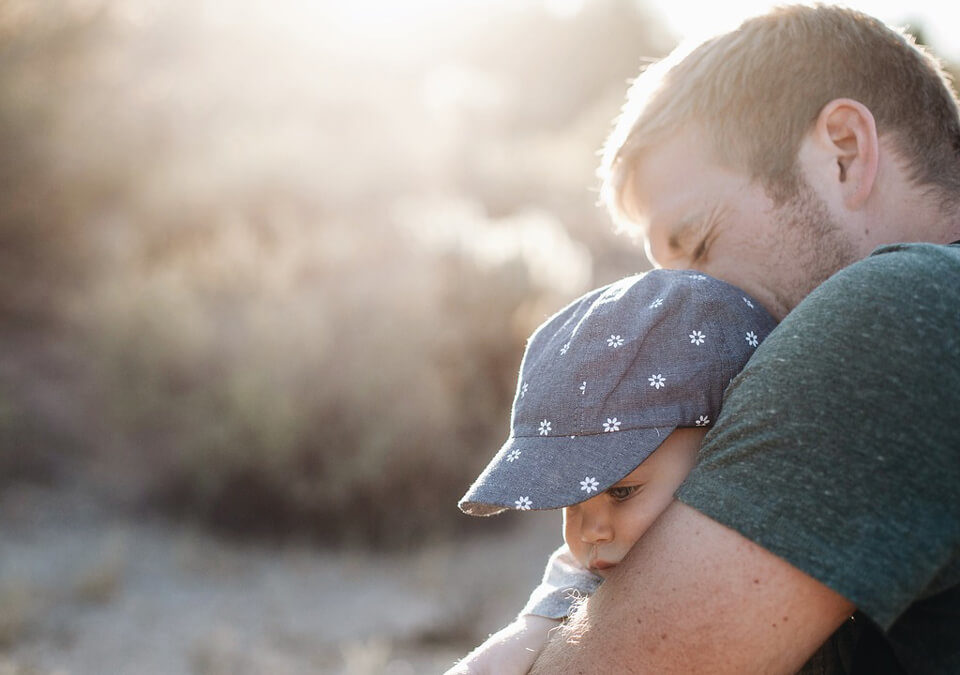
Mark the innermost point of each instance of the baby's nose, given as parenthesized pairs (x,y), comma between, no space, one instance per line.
(596,526)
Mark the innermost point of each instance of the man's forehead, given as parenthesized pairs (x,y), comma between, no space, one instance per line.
(666,217)
(674,187)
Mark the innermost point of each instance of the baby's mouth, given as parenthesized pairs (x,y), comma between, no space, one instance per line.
(599,566)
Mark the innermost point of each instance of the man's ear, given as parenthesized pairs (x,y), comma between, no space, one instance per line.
(846,133)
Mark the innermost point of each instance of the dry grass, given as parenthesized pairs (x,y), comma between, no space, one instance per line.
(102,580)
(11,667)
(223,651)
(366,657)
(21,607)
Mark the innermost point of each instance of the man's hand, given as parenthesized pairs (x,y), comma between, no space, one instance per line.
(509,651)
(696,597)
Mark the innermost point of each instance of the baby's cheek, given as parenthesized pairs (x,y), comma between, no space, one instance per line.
(568,525)
(571,535)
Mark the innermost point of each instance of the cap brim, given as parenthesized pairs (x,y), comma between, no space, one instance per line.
(551,472)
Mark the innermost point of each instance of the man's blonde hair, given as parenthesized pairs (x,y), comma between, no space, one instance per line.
(757,90)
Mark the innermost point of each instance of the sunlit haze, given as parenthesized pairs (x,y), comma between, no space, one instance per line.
(267,269)
(695,18)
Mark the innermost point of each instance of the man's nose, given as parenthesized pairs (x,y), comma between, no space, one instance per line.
(595,525)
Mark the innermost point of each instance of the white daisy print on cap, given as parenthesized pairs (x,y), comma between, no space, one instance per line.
(626,372)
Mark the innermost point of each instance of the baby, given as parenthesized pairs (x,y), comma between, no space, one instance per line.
(614,396)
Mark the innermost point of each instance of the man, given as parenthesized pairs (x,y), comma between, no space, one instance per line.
(772,157)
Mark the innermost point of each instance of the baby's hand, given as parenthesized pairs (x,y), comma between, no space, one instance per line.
(511,650)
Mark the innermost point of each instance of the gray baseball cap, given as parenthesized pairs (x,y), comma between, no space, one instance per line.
(606,380)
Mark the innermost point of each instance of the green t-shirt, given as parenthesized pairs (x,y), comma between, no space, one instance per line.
(838,449)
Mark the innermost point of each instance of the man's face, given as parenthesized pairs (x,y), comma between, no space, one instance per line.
(603,529)
(701,215)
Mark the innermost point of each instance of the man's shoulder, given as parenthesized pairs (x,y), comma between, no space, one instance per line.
(915,277)
(836,447)
(919,258)
(895,263)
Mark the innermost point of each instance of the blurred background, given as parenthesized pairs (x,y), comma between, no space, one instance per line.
(266,274)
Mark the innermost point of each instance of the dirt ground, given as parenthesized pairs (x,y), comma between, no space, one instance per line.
(86,591)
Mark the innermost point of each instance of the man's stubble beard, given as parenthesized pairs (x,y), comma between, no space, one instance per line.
(817,245)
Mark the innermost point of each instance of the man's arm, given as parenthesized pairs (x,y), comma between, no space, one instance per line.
(694,596)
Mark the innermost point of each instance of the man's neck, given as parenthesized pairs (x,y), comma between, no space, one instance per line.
(916,216)
(943,228)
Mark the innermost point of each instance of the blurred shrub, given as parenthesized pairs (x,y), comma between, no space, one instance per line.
(50,184)
(24,445)
(290,262)
(274,380)
(271,266)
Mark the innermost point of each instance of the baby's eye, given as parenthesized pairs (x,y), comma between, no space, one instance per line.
(622,492)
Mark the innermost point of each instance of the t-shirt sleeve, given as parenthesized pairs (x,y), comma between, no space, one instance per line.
(565,582)
(838,446)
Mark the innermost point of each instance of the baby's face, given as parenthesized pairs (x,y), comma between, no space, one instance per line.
(602,530)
